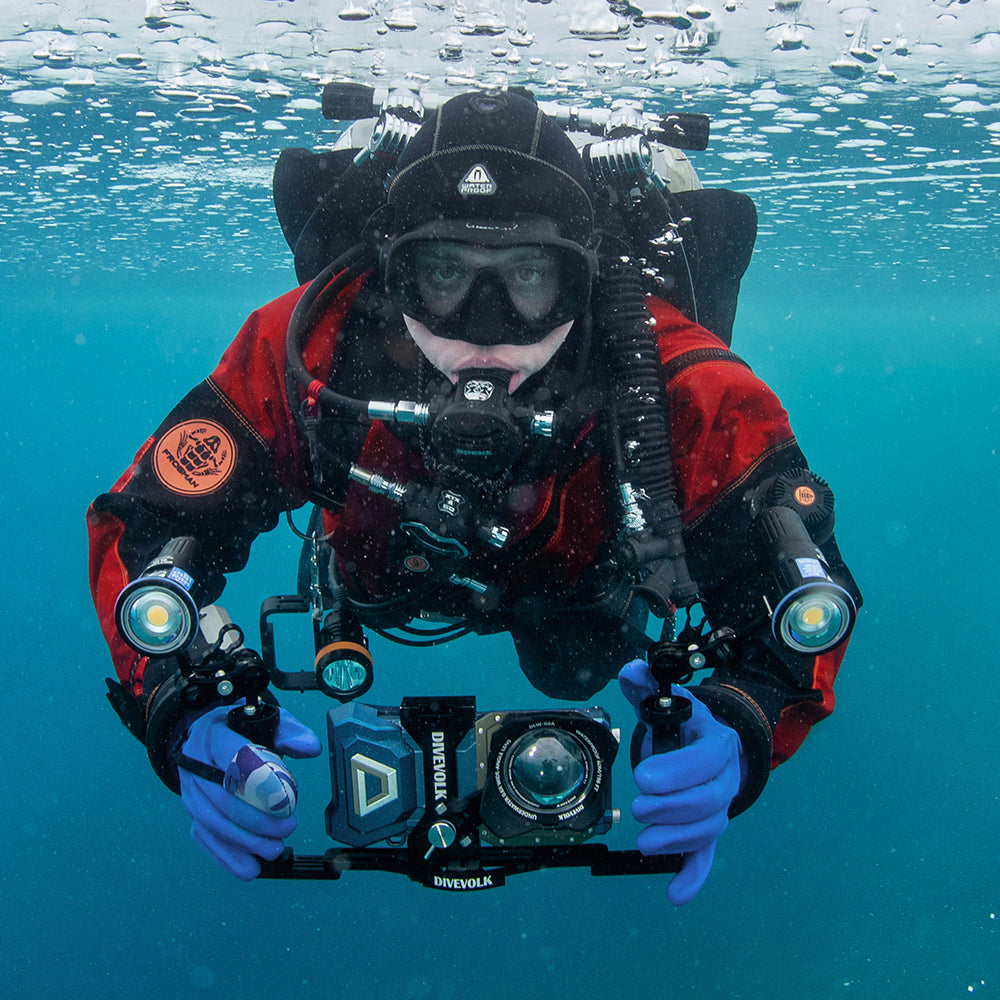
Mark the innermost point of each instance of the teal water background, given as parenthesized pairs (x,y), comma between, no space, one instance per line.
(870,867)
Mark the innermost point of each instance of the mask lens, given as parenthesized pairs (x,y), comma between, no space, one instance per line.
(541,286)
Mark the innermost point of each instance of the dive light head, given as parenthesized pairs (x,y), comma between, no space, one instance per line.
(814,617)
(155,613)
(809,612)
(343,664)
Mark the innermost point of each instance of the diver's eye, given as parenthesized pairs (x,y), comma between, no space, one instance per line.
(445,273)
(532,273)
(529,274)
(440,274)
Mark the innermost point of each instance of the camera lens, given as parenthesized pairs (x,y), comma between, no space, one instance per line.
(548,775)
(547,768)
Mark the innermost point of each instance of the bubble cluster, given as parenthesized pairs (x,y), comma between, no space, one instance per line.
(137,121)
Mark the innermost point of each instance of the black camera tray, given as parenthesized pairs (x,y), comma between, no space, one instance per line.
(487,871)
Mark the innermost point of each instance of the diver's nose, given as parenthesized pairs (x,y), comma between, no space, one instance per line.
(488,314)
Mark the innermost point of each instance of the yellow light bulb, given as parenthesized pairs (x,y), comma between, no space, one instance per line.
(157,615)
(812,616)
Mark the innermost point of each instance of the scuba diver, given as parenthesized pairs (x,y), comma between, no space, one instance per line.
(507,422)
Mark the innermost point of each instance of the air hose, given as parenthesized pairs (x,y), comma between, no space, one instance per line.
(650,543)
(322,290)
(634,361)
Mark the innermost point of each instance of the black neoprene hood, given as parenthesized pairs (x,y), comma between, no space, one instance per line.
(492,157)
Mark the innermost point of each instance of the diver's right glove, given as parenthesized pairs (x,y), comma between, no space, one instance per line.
(249,814)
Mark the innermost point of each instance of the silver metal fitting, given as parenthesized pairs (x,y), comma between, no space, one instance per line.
(632,513)
(496,536)
(390,136)
(402,98)
(403,411)
(543,423)
(618,161)
(378,484)
(625,113)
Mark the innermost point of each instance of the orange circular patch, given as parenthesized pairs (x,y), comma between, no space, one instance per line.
(805,496)
(194,457)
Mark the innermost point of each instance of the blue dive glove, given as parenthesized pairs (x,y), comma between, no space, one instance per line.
(684,795)
(252,811)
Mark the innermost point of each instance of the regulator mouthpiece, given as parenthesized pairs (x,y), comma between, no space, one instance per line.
(476,428)
(156,614)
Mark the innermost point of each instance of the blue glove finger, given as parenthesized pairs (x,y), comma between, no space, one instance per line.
(687,883)
(228,844)
(680,838)
(295,739)
(209,738)
(244,866)
(709,750)
(694,764)
(687,806)
(636,681)
(251,812)
(694,783)
(245,815)
(684,795)
(219,811)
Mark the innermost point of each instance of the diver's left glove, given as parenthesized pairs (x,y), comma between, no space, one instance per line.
(685,794)
(249,814)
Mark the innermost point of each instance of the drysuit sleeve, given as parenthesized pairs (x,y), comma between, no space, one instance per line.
(729,435)
(221,467)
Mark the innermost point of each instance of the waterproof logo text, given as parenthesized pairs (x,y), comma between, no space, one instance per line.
(477,182)
(469,884)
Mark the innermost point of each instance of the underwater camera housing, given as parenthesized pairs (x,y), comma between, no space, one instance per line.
(452,797)
(441,775)
(464,799)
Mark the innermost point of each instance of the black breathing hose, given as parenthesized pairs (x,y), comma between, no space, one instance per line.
(640,401)
(651,540)
(323,289)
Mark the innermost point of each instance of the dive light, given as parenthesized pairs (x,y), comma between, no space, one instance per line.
(343,663)
(809,612)
(156,614)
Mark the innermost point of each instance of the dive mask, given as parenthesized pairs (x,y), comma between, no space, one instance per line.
(491,286)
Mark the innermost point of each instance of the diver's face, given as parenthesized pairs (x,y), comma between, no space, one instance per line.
(470,306)
(450,356)
(445,272)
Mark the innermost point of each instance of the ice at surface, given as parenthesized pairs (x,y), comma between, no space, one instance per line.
(816,106)
(55,44)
